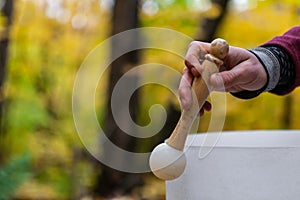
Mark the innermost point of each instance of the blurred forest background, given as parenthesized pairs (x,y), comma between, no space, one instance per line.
(44,42)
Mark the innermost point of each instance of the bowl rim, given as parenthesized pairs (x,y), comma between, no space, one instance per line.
(246,139)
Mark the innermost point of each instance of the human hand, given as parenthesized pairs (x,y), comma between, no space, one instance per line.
(241,71)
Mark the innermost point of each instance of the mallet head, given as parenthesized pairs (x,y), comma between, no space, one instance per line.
(166,162)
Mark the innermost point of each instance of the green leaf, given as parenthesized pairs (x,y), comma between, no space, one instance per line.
(13,175)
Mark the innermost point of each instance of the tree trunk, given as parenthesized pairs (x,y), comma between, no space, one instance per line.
(7,12)
(209,24)
(287,112)
(125,17)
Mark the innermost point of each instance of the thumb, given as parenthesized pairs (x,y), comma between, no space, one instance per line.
(224,80)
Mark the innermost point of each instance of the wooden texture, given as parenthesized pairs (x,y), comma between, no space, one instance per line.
(201,91)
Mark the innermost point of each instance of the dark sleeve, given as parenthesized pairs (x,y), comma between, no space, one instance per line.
(280,59)
(289,42)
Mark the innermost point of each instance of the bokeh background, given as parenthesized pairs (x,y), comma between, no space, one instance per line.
(44,42)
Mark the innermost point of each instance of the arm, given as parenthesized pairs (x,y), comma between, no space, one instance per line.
(273,67)
(290,42)
(280,58)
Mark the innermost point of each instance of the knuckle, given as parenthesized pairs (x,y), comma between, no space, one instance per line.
(193,43)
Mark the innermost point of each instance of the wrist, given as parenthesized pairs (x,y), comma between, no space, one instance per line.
(287,70)
(271,65)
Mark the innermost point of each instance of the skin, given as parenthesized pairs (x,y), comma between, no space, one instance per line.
(241,71)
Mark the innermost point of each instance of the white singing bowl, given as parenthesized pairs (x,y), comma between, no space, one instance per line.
(244,165)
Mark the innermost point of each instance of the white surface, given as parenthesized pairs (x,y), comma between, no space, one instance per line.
(247,165)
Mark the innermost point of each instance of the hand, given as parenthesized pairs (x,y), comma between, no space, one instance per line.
(241,71)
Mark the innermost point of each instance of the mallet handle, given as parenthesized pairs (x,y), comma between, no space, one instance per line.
(201,90)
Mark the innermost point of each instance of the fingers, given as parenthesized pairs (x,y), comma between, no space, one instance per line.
(195,55)
(222,81)
(184,90)
(185,93)
(234,80)
(205,107)
(244,76)
(193,60)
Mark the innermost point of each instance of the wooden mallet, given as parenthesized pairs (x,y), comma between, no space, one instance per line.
(167,160)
